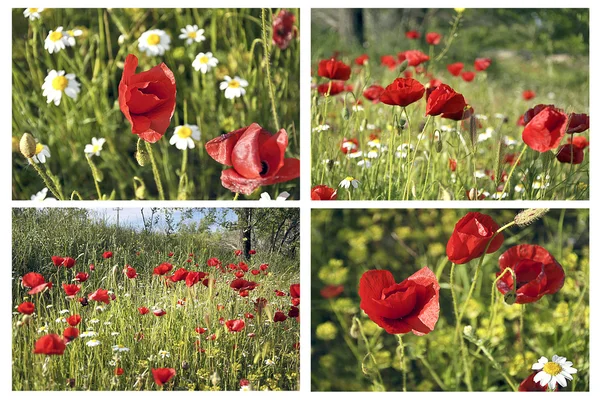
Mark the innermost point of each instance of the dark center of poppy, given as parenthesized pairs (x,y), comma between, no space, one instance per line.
(527,271)
(265,168)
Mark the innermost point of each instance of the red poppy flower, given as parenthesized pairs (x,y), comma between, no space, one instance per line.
(235,325)
(35,282)
(402,92)
(331,89)
(143,310)
(208,282)
(295,291)
(323,192)
(412,35)
(264,267)
(163,375)
(244,382)
(373,93)
(537,273)
(243,266)
(528,94)
(51,344)
(414,57)
(257,158)
(468,76)
(283,29)
(334,69)
(444,100)
(456,68)
(533,111)
(130,272)
(521,121)
(295,302)
(578,123)
(279,293)
(570,154)
(545,130)
(119,371)
(163,269)
(242,284)
(433,38)
(82,276)
(411,305)
(199,330)
(57,261)
(349,145)
(481,64)
(67,262)
(213,262)
(470,237)
(389,61)
(193,277)
(159,312)
(100,295)
(70,333)
(579,141)
(279,317)
(528,385)
(252,252)
(294,312)
(107,254)
(361,60)
(71,289)
(147,99)
(26,308)
(83,301)
(92,267)
(179,275)
(255,272)
(332,291)
(249,315)
(239,274)
(452,164)
(510,158)
(74,319)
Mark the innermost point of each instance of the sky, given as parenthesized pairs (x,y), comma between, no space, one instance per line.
(132,217)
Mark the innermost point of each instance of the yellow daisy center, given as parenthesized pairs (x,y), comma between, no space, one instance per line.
(203,60)
(71,32)
(234,84)
(38,148)
(552,368)
(33,10)
(349,178)
(184,132)
(192,35)
(60,83)
(95,148)
(56,36)
(153,39)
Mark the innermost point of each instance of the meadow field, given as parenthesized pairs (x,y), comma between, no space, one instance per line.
(176,303)
(462,320)
(450,104)
(100,129)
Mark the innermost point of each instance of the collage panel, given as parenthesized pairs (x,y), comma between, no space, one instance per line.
(450,300)
(155,104)
(450,104)
(132,299)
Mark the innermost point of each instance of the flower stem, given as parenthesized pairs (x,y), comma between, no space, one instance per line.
(410,168)
(161,193)
(511,171)
(95,175)
(400,351)
(268,67)
(46,180)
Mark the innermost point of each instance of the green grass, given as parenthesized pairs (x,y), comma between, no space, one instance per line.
(496,96)
(346,243)
(109,35)
(229,358)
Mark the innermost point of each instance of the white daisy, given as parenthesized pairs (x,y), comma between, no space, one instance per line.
(321,128)
(509,140)
(55,41)
(519,188)
(204,62)
(551,372)
(93,343)
(264,196)
(233,87)
(245,389)
(42,152)
(164,353)
(88,333)
(41,196)
(192,34)
(32,13)
(43,329)
(269,362)
(61,312)
(356,154)
(365,163)
(349,181)
(374,143)
(57,82)
(154,42)
(119,348)
(94,321)
(70,35)
(95,148)
(184,136)
(114,334)
(373,154)
(482,137)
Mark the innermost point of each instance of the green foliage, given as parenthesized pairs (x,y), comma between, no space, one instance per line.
(406,240)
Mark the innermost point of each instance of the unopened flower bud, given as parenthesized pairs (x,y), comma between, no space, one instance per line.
(27,145)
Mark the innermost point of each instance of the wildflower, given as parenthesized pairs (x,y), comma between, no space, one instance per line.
(41,196)
(321,128)
(55,41)
(184,136)
(444,99)
(32,13)
(191,34)
(264,196)
(70,333)
(481,64)
(552,372)
(334,69)
(365,163)
(163,375)
(42,329)
(35,282)
(235,325)
(545,130)
(373,93)
(269,362)
(283,29)
(95,147)
(233,87)
(154,42)
(56,83)
(323,192)
(93,343)
(88,333)
(51,344)
(73,320)
(468,76)
(570,154)
(119,348)
(456,68)
(26,308)
(70,35)
(433,38)
(349,181)
(578,123)
(471,236)
(528,94)
(402,92)
(204,62)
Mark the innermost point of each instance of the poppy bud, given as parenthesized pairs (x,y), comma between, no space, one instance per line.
(27,145)
(142,157)
(473,130)
(71,382)
(528,216)
(438,143)
(345,113)
(510,298)
(403,66)
(185,365)
(26,319)
(140,191)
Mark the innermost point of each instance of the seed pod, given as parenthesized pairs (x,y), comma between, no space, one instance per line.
(142,157)
(27,145)
(403,66)
(345,113)
(510,298)
(185,365)
(528,216)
